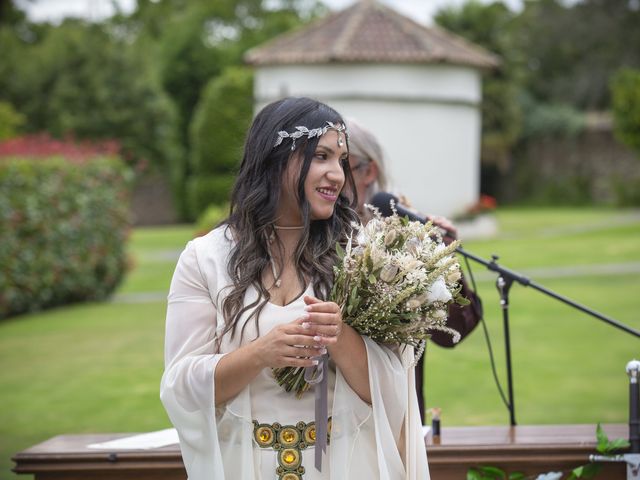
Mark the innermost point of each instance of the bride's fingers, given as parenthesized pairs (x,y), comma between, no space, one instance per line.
(302,352)
(325,330)
(310,300)
(323,318)
(323,307)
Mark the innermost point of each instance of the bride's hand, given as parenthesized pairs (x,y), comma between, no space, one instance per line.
(288,345)
(324,320)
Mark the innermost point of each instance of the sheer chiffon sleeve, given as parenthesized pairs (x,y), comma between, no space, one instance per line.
(382,440)
(187,388)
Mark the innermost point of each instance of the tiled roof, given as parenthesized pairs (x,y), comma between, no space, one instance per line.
(369,32)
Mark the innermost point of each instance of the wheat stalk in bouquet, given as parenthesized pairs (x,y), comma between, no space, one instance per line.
(394,282)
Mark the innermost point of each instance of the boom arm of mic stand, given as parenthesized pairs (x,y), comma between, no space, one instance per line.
(522,280)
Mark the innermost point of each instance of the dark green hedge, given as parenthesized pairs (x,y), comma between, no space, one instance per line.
(206,190)
(218,129)
(625,89)
(63,228)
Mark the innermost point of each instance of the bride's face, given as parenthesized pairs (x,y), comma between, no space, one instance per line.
(324,181)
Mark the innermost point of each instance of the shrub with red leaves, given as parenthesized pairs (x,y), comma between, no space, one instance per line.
(485,204)
(44,146)
(64,221)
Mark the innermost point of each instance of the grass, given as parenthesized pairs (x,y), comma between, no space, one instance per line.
(568,367)
(85,368)
(562,237)
(96,367)
(154,252)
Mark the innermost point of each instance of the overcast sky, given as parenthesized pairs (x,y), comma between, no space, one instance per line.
(54,10)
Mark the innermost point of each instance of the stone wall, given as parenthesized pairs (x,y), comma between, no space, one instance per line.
(152,201)
(592,167)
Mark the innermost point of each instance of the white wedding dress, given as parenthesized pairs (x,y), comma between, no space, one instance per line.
(379,441)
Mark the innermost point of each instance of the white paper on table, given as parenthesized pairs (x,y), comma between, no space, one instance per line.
(425,431)
(158,439)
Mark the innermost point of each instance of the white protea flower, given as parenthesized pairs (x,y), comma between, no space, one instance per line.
(439,292)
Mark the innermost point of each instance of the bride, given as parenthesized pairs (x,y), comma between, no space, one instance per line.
(251,296)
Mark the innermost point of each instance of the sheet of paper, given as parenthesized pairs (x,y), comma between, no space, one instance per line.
(425,430)
(158,439)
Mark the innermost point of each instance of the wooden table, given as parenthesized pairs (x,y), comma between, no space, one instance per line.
(529,449)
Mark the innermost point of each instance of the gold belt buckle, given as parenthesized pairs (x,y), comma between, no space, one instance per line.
(288,441)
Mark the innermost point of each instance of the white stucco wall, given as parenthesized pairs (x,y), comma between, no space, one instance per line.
(426,117)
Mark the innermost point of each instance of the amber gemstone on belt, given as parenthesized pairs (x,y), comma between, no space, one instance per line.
(312,433)
(264,436)
(289,457)
(289,436)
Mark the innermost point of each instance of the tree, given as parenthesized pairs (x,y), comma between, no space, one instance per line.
(625,88)
(81,81)
(10,121)
(194,42)
(136,77)
(217,136)
(489,25)
(572,51)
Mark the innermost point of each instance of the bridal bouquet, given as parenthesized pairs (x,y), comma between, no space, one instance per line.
(393,282)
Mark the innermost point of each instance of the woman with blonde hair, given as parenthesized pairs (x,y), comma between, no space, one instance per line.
(367,161)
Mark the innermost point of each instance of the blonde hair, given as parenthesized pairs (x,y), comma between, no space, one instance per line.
(363,144)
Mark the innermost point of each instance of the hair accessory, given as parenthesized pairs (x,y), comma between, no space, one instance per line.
(301,131)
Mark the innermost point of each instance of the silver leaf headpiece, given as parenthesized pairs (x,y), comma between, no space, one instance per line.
(314,132)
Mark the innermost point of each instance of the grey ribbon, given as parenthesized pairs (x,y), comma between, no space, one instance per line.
(316,376)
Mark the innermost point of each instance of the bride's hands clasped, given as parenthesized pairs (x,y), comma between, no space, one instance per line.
(288,345)
(323,320)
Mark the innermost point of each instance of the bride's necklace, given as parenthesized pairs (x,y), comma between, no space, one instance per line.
(295,227)
(270,239)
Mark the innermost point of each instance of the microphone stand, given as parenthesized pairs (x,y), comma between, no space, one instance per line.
(504,282)
(632,459)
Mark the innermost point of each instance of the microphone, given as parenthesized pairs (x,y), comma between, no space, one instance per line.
(382,201)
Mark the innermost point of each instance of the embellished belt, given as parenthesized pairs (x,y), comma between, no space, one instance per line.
(288,441)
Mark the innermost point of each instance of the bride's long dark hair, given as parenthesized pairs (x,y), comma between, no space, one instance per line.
(254,202)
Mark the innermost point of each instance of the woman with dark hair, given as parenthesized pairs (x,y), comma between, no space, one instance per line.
(252,295)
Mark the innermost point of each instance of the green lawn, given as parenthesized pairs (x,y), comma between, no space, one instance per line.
(96,367)
(568,367)
(154,252)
